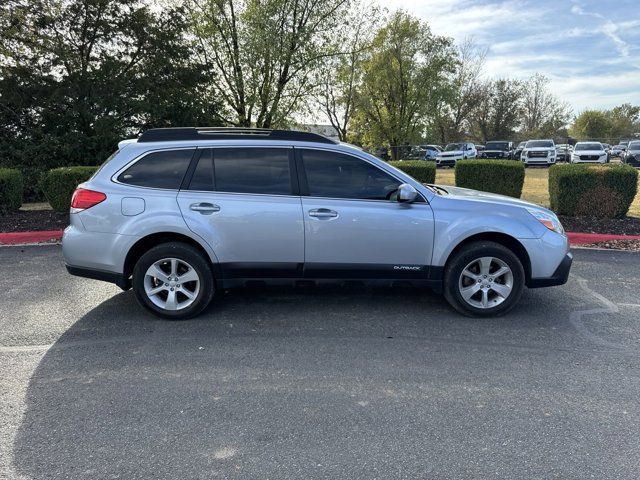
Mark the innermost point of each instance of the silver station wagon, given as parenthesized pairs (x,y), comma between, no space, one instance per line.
(179,213)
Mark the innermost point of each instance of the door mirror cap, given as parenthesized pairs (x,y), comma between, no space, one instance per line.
(407,193)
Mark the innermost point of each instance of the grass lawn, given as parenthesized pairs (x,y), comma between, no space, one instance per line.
(536,187)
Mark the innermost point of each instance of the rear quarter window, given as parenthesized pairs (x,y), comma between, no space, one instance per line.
(164,169)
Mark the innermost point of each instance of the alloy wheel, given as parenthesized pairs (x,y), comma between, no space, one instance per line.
(171,284)
(485,282)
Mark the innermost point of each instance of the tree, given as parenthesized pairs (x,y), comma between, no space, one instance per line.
(78,76)
(264,53)
(453,118)
(341,75)
(591,125)
(543,114)
(499,112)
(625,121)
(405,76)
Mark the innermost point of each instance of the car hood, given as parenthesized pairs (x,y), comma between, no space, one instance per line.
(540,149)
(451,152)
(486,197)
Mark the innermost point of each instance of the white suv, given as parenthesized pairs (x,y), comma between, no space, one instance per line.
(539,152)
(454,152)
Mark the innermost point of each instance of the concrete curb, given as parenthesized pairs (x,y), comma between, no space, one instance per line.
(588,238)
(19,238)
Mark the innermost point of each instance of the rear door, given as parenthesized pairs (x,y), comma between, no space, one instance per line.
(244,202)
(353,226)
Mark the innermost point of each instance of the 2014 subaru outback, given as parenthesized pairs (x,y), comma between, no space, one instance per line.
(180,213)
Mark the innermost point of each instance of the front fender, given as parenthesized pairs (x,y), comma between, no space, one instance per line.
(457,223)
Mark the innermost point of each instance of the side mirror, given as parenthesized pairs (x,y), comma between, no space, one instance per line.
(406,193)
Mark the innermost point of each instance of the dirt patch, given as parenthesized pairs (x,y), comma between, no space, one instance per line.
(630,245)
(33,220)
(616,226)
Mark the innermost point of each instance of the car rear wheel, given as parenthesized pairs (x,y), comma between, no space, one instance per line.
(173,280)
(484,279)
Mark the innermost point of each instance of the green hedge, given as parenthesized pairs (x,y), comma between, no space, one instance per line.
(58,185)
(10,190)
(421,170)
(505,177)
(604,191)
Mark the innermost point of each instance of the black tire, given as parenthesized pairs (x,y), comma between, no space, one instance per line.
(469,253)
(188,254)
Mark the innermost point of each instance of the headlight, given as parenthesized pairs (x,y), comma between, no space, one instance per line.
(548,219)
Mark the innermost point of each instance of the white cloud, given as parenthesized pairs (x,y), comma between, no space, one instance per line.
(591,54)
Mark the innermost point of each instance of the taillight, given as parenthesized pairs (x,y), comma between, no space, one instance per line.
(83,199)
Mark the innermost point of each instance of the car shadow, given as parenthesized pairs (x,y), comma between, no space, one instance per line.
(122,394)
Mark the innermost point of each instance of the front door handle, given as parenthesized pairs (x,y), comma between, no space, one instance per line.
(204,208)
(323,213)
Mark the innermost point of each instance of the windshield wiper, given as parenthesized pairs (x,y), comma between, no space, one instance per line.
(439,190)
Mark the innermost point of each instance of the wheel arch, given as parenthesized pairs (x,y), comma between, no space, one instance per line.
(503,239)
(149,241)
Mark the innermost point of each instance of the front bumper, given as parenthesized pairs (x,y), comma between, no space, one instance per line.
(539,160)
(559,277)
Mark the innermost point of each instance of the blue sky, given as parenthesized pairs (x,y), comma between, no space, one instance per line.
(590,50)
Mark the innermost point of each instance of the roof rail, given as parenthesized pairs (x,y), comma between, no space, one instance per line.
(229,133)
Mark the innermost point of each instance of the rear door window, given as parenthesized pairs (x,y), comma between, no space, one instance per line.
(265,171)
(164,169)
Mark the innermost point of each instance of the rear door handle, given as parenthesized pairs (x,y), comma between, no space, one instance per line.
(204,208)
(323,213)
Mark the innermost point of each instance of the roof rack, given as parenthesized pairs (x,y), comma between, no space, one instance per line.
(229,133)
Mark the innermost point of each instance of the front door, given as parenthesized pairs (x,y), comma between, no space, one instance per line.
(243,202)
(354,228)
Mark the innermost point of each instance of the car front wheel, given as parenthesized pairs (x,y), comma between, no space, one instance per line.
(483,279)
(173,280)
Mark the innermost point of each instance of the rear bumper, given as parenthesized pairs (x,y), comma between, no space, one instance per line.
(102,275)
(559,277)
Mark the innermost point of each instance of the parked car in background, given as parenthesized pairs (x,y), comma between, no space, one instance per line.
(430,151)
(617,150)
(632,155)
(454,152)
(539,152)
(479,150)
(589,152)
(517,152)
(497,149)
(179,214)
(563,152)
(382,152)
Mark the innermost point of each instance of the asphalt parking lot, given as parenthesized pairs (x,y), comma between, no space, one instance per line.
(318,383)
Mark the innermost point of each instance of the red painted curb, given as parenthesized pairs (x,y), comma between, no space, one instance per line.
(587,238)
(17,238)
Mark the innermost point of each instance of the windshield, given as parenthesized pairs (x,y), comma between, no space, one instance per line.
(539,144)
(634,146)
(453,146)
(497,146)
(588,146)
